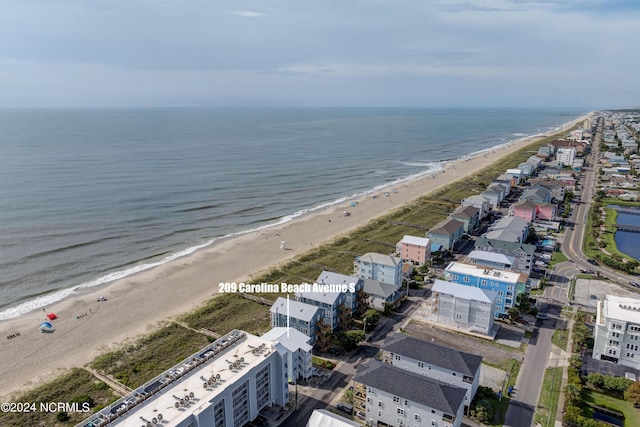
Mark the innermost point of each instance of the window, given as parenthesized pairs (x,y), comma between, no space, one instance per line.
(483,282)
(466,280)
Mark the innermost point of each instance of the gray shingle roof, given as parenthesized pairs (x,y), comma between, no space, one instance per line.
(414,387)
(433,354)
(446,227)
(509,246)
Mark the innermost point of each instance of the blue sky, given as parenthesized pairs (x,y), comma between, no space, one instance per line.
(105,53)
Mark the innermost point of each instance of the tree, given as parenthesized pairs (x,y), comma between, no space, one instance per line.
(483,411)
(575,361)
(514,313)
(632,394)
(573,393)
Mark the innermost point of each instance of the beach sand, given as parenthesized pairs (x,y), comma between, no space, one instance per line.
(86,328)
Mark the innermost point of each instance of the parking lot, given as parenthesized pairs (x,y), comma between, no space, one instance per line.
(589,291)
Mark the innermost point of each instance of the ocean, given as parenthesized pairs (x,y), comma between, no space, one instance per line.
(89,196)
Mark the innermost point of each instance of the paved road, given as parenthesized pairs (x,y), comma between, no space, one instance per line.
(529,382)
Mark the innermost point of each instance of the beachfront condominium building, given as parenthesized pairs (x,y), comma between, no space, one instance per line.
(469,216)
(463,308)
(380,267)
(434,361)
(566,156)
(522,253)
(389,396)
(479,202)
(299,364)
(225,384)
(446,233)
(306,318)
(506,283)
(334,305)
(617,331)
(416,250)
(356,299)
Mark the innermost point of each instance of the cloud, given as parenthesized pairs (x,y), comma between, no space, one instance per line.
(247,13)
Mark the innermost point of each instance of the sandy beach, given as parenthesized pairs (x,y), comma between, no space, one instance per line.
(86,327)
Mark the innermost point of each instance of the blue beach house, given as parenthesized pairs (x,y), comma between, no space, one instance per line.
(505,283)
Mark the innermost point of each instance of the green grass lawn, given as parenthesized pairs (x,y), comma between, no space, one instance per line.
(549,394)
(560,338)
(631,414)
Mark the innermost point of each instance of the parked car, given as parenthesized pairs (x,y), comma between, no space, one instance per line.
(635,284)
(592,261)
(542,316)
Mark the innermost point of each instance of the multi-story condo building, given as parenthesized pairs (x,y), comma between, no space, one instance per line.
(440,363)
(306,318)
(388,396)
(465,308)
(356,300)
(334,304)
(617,331)
(506,283)
(299,363)
(416,250)
(509,229)
(566,156)
(225,384)
(380,267)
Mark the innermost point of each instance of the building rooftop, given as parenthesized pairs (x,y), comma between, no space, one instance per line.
(504,245)
(492,257)
(376,258)
(483,272)
(411,386)
(622,308)
(291,338)
(446,227)
(296,309)
(324,418)
(417,241)
(464,291)
(331,278)
(465,212)
(379,289)
(173,396)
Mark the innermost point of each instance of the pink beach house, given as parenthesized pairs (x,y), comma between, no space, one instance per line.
(416,250)
(525,209)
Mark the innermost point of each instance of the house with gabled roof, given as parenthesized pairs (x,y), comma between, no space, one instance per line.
(522,253)
(468,215)
(447,233)
(479,202)
(509,229)
(393,397)
(538,194)
(380,294)
(454,367)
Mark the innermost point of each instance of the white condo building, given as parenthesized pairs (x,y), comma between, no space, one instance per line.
(225,384)
(461,307)
(299,363)
(617,331)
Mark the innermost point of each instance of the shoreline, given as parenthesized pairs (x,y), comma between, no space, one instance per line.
(138,302)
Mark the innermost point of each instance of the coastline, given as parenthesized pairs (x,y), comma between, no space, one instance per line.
(138,302)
